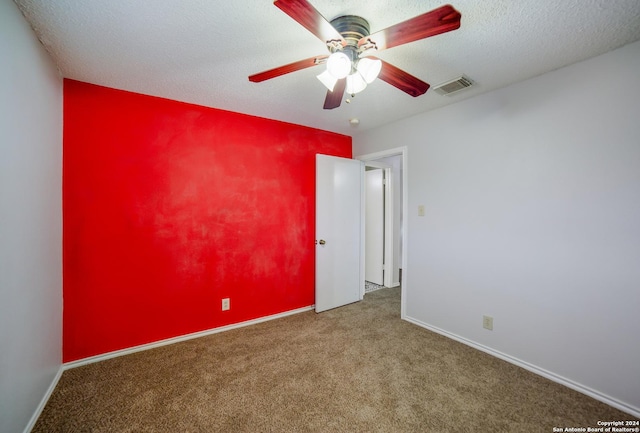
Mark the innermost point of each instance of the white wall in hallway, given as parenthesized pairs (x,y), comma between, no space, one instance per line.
(30,221)
(532,200)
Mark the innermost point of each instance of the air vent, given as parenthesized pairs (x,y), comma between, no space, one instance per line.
(454,86)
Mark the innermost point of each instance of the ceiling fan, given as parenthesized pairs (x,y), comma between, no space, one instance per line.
(351,64)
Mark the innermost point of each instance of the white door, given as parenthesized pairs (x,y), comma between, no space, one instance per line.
(374,226)
(339,276)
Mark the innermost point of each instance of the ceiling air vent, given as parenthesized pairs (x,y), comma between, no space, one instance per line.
(454,86)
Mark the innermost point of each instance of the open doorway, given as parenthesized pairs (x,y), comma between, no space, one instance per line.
(395,161)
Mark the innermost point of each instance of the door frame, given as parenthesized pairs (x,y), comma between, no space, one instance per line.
(402,151)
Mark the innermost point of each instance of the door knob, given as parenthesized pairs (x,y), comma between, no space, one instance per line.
(322,242)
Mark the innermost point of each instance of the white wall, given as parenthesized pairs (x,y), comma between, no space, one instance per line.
(30,221)
(532,197)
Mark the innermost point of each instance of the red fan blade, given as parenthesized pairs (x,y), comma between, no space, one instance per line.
(334,98)
(308,17)
(441,20)
(291,67)
(402,80)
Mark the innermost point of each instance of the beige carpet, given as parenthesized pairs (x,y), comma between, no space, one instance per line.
(357,368)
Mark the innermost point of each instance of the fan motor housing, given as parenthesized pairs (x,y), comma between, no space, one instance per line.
(352,28)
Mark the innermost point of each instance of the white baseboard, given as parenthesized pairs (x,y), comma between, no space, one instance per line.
(43,402)
(534,369)
(130,350)
(634,411)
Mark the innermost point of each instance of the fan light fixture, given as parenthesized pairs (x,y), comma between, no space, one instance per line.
(369,69)
(328,80)
(355,83)
(340,66)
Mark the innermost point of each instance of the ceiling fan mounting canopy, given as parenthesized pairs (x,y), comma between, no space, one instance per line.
(351,27)
(350,35)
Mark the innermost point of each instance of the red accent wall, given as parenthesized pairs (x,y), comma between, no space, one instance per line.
(170,207)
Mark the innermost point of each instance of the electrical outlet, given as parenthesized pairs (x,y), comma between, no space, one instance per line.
(487,322)
(225,304)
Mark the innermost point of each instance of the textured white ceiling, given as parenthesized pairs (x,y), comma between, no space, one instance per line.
(202,51)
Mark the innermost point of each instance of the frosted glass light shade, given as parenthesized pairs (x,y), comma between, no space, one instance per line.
(328,80)
(339,65)
(369,69)
(355,83)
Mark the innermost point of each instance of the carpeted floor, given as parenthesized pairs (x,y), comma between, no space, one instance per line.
(358,368)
